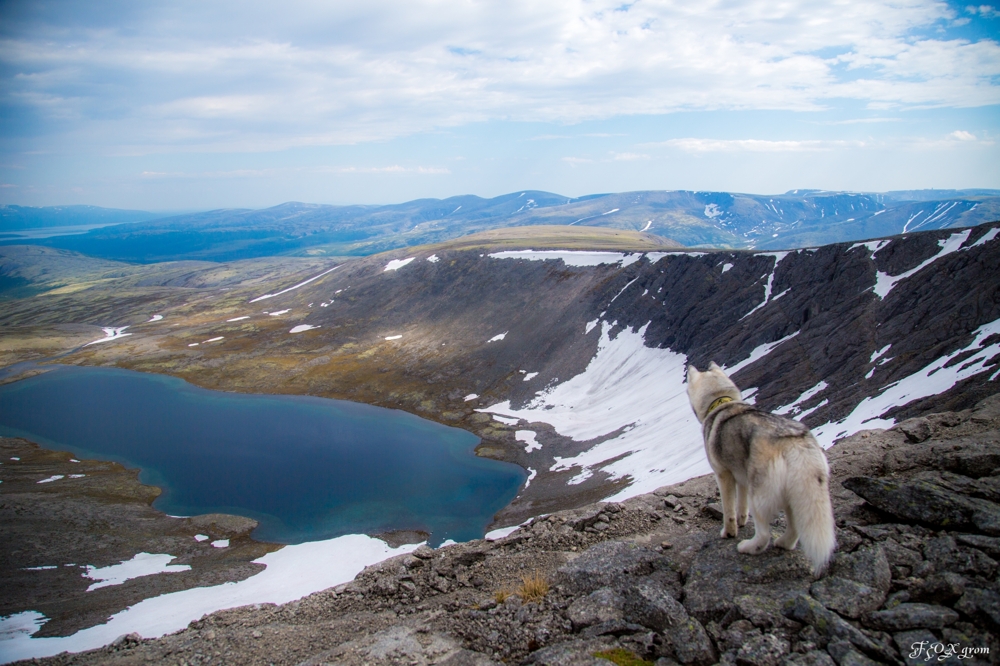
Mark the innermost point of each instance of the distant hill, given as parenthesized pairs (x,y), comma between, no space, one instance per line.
(17,218)
(799,218)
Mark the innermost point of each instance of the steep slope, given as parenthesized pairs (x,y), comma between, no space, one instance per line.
(571,364)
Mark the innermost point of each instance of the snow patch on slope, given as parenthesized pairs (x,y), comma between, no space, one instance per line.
(635,391)
(142,564)
(793,407)
(987,237)
(110,333)
(529,439)
(396,264)
(294,287)
(885,282)
(932,379)
(778,256)
(757,354)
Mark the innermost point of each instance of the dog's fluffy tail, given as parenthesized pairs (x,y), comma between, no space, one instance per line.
(808,497)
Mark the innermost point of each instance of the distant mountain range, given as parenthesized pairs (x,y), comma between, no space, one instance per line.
(799,218)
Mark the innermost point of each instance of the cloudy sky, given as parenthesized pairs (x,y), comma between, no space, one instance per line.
(193,105)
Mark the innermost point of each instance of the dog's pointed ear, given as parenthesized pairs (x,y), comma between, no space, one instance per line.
(692,373)
(714,366)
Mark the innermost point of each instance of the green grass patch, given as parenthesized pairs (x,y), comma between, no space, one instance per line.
(622,657)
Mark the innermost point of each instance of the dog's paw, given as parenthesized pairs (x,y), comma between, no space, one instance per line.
(729,530)
(751,546)
(743,519)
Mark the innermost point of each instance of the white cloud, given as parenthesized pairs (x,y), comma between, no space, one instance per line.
(986,11)
(962,135)
(692,145)
(630,157)
(256,76)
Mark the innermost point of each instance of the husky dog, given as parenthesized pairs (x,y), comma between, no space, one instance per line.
(764,463)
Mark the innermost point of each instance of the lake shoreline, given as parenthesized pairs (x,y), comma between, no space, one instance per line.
(51,531)
(57,531)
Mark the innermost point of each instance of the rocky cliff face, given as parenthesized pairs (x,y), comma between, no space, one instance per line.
(914,578)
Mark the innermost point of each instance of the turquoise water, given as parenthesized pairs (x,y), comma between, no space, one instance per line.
(306,468)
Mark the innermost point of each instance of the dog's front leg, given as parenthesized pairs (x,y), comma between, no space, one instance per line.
(741,505)
(728,492)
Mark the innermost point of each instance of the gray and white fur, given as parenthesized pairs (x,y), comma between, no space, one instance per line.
(764,464)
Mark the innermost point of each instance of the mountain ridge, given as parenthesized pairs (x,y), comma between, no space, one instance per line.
(800,218)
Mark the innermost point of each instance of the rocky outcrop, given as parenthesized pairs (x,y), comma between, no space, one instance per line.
(650,579)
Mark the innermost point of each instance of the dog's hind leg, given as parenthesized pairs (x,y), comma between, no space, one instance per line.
(741,505)
(790,538)
(728,492)
(762,516)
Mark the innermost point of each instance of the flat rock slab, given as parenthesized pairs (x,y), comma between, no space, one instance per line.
(609,564)
(719,573)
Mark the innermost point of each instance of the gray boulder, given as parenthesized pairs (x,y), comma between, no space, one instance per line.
(571,653)
(811,658)
(844,654)
(603,605)
(608,564)
(849,598)
(977,603)
(651,605)
(690,643)
(762,650)
(914,646)
(912,616)
(928,503)
(804,608)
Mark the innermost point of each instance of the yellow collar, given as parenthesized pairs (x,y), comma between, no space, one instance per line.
(718,401)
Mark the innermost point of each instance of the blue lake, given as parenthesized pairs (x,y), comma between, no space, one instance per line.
(306,468)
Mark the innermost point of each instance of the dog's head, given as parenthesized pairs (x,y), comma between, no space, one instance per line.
(705,388)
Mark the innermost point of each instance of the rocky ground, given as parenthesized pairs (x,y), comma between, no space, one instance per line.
(650,581)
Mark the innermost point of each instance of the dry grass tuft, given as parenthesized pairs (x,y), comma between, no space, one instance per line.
(533,588)
(501,596)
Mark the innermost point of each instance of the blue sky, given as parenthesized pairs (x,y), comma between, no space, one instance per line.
(193,105)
